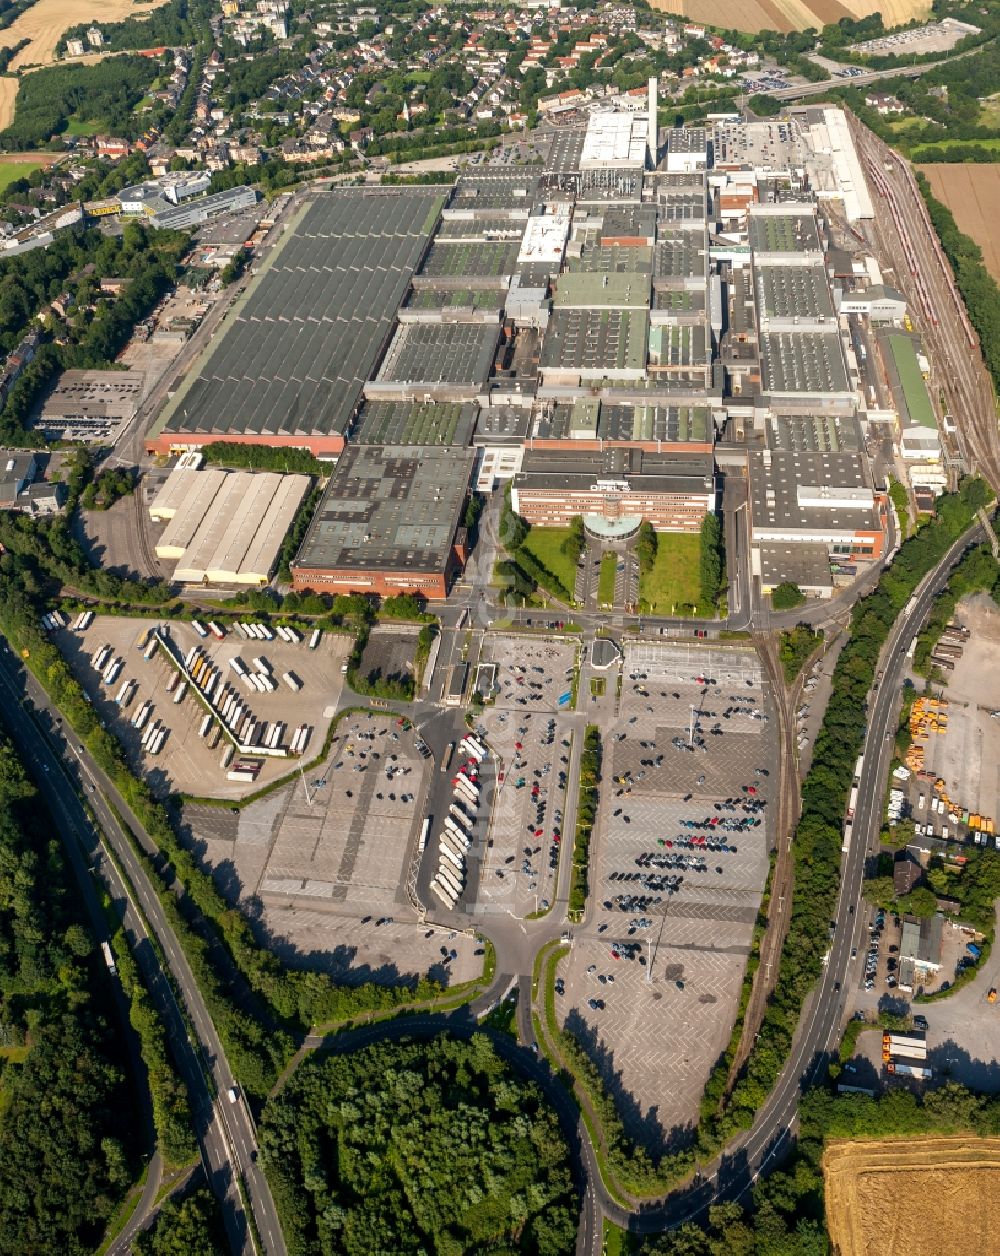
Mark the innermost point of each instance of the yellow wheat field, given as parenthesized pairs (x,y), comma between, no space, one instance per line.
(921,1196)
(46,21)
(787,15)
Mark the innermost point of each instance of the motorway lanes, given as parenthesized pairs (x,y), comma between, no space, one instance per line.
(225,1130)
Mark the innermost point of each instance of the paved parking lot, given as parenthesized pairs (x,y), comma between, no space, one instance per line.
(519,871)
(324,872)
(531,733)
(185,763)
(968,754)
(681,856)
(344,831)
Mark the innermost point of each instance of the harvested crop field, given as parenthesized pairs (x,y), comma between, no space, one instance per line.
(788,15)
(922,1196)
(45,22)
(972,193)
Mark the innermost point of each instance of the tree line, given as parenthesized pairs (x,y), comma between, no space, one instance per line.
(95,327)
(67,1139)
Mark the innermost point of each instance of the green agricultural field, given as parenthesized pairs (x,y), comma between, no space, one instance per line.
(673,581)
(11,171)
(546,545)
(606,580)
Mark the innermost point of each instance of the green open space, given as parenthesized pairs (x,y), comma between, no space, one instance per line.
(904,355)
(673,581)
(988,148)
(77,126)
(546,545)
(11,171)
(606,579)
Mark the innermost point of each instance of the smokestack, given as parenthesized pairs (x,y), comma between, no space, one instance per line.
(651,128)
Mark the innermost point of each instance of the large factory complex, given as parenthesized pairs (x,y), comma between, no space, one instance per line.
(611,328)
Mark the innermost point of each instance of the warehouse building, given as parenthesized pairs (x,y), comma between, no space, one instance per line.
(591,423)
(816,499)
(91,406)
(615,490)
(615,139)
(390,521)
(230,526)
(687,149)
(289,368)
(594,344)
(440,361)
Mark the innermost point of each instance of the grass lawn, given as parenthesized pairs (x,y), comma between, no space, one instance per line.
(616,1241)
(77,126)
(606,580)
(673,580)
(546,545)
(16,170)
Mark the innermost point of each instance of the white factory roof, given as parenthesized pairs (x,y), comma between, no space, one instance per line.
(189,513)
(545,238)
(835,168)
(614,139)
(230,527)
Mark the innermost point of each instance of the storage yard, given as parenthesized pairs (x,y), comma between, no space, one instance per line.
(916,1195)
(147,695)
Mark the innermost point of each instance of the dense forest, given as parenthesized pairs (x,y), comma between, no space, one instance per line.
(785,1217)
(418,1147)
(105,94)
(66,1153)
(184,1227)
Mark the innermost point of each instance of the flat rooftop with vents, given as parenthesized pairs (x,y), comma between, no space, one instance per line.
(449,356)
(804,366)
(389,521)
(785,234)
(595,344)
(415,423)
(288,366)
(793,298)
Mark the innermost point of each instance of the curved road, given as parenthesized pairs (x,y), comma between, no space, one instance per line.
(225,1130)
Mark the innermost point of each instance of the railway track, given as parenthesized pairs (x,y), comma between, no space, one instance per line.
(907,238)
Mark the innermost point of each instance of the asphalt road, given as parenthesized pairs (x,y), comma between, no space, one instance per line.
(225,1130)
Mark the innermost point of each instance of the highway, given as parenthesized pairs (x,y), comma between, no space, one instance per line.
(225,1130)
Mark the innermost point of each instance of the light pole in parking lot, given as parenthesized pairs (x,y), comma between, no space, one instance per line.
(649,961)
(305,785)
